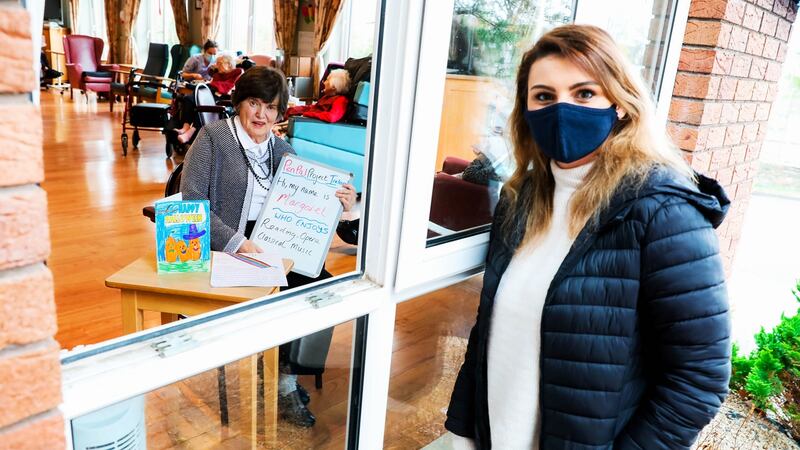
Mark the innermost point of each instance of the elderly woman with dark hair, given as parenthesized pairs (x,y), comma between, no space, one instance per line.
(232,163)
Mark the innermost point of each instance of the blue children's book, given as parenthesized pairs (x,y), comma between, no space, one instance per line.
(183,236)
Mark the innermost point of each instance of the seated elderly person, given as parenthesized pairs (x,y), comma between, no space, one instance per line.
(198,66)
(332,106)
(222,84)
(232,163)
(225,75)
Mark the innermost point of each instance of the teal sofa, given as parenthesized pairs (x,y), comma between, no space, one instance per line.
(341,145)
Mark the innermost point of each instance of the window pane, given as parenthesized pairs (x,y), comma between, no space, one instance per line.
(99,24)
(237,25)
(487,39)
(141,33)
(263,34)
(167,18)
(154,24)
(362,28)
(342,143)
(84,25)
(430,339)
(92,21)
(642,32)
(250,402)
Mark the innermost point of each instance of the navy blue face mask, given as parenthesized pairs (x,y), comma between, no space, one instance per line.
(566,132)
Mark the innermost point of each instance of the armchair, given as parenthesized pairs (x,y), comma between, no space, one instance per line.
(179,53)
(148,83)
(263,60)
(151,84)
(84,68)
(458,204)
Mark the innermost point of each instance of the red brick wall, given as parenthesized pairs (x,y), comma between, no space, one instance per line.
(727,80)
(30,375)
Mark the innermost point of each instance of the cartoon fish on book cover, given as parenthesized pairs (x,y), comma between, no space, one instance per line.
(183,236)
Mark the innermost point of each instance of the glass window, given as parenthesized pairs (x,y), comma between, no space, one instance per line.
(487,39)
(352,35)
(642,32)
(149,299)
(154,24)
(92,21)
(362,28)
(247,26)
(262,24)
(430,340)
(292,396)
(236,22)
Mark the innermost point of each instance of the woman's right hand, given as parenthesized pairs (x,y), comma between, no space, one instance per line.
(249,246)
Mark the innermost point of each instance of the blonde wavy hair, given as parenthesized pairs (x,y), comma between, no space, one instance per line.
(632,149)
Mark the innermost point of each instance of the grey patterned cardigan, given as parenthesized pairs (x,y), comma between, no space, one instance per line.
(215,170)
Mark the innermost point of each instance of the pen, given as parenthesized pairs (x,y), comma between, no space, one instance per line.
(250,260)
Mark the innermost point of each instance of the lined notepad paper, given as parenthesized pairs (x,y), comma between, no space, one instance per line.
(246,269)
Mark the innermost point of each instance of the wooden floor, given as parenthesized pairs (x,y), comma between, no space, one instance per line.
(96,226)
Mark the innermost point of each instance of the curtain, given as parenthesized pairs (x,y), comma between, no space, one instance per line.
(285,20)
(73,15)
(324,19)
(210,25)
(120,19)
(181,21)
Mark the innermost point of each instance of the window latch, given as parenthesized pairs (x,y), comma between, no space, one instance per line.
(323,299)
(172,345)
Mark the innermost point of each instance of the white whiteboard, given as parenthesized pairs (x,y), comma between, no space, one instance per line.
(300,216)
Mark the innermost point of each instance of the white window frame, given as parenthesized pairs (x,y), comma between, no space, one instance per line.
(396,264)
(103,379)
(419,265)
(670,71)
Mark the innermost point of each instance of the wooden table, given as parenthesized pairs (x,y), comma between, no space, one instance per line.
(143,289)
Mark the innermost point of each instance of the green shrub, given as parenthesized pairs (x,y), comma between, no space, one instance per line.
(741,366)
(770,375)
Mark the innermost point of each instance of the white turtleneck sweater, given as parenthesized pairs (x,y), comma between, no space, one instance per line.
(514,336)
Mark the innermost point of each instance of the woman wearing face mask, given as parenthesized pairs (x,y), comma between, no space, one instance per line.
(232,163)
(198,66)
(603,320)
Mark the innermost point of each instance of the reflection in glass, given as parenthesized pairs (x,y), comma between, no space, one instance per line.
(239,405)
(154,23)
(430,340)
(642,32)
(362,29)
(474,154)
(487,40)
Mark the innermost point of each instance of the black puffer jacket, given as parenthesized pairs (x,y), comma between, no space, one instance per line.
(635,329)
